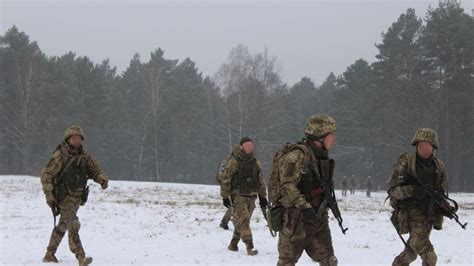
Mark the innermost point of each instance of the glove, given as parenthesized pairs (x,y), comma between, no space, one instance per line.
(51,203)
(105,184)
(50,200)
(263,203)
(226,202)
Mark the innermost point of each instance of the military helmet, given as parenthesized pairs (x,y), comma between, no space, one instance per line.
(74,130)
(425,135)
(320,125)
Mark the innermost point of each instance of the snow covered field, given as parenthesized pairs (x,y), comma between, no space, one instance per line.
(167,224)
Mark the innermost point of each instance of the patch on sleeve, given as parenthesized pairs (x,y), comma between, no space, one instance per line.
(222,168)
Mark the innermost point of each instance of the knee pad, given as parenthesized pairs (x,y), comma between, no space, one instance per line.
(74,226)
(61,228)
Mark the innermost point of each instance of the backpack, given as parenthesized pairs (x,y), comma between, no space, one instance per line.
(274,178)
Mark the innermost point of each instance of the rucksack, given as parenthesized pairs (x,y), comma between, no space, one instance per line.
(274,177)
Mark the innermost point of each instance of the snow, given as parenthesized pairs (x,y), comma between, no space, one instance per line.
(168,224)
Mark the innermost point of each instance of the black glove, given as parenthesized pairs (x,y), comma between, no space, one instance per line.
(54,208)
(105,184)
(263,203)
(226,202)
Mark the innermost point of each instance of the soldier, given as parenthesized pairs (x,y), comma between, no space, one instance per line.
(64,182)
(409,200)
(368,185)
(241,182)
(301,195)
(344,186)
(352,184)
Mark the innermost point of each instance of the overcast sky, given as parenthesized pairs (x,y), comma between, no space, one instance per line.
(310,38)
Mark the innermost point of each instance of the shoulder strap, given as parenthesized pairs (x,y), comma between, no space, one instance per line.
(65,168)
(411,165)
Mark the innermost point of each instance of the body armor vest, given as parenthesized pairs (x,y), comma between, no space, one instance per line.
(246,179)
(426,171)
(310,187)
(75,176)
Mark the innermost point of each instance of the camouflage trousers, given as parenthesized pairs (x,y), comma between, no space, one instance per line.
(294,239)
(227,216)
(419,241)
(69,222)
(242,212)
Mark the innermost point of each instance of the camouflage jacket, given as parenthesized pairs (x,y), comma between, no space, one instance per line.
(58,160)
(406,164)
(229,169)
(293,166)
(399,192)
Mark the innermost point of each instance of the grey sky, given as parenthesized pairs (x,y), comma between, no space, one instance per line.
(309,38)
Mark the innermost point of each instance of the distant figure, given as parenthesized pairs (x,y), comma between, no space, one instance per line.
(368,185)
(352,184)
(344,186)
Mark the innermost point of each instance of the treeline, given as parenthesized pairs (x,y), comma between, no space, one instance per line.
(161,120)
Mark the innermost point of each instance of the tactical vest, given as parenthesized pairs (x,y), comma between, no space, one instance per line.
(429,175)
(310,187)
(246,179)
(74,178)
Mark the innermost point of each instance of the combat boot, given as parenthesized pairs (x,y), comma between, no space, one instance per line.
(250,249)
(49,257)
(233,245)
(84,261)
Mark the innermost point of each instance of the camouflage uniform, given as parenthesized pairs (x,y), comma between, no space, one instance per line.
(67,194)
(300,194)
(368,185)
(344,186)
(352,184)
(243,192)
(411,203)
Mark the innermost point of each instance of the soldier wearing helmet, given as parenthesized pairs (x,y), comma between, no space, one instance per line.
(409,200)
(64,181)
(301,195)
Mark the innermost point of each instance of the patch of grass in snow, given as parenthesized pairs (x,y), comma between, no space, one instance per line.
(128,201)
(209,204)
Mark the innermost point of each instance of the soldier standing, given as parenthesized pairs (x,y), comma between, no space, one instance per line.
(344,186)
(64,182)
(368,185)
(352,184)
(241,182)
(410,202)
